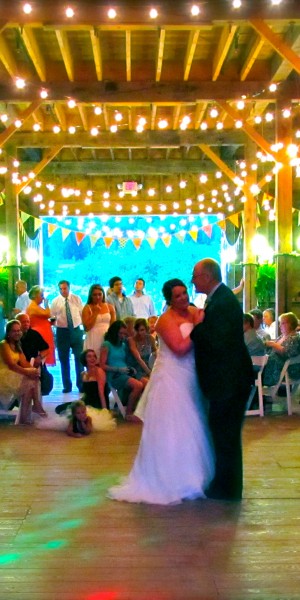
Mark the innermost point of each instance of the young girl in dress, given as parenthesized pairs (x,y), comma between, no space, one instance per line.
(80,424)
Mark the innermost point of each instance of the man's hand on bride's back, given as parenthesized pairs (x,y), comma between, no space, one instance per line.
(199,316)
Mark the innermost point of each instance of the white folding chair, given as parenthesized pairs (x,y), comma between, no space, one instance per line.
(257,361)
(284,380)
(114,399)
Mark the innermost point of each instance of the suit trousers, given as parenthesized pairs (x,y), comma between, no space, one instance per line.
(225,420)
(66,340)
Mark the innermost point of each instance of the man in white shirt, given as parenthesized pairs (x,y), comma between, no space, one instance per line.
(66,309)
(23,297)
(142,303)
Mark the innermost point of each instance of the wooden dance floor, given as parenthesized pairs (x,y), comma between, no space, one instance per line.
(62,539)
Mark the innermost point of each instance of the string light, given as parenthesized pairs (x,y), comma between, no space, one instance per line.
(112,13)
(27,8)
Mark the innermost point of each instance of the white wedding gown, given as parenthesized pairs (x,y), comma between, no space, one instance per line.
(175,458)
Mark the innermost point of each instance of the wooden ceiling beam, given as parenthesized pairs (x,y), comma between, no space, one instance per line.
(122,168)
(226,39)
(277,43)
(132,139)
(31,45)
(135,13)
(96,47)
(149,92)
(160,54)
(190,51)
(66,53)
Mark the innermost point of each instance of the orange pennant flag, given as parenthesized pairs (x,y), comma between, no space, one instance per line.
(108,241)
(137,242)
(79,236)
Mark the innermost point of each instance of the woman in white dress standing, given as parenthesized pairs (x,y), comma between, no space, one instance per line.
(97,316)
(175,457)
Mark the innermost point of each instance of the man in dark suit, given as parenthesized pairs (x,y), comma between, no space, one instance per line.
(225,374)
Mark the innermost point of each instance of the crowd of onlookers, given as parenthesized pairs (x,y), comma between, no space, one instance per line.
(113,340)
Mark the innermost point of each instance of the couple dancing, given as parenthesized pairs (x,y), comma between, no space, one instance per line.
(202,366)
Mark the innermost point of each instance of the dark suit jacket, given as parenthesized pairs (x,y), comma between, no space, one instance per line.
(32,343)
(223,364)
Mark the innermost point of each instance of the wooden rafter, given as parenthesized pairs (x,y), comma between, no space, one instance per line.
(34,52)
(7,58)
(160,53)
(61,115)
(128,54)
(66,53)
(252,54)
(224,44)
(96,47)
(83,116)
(190,51)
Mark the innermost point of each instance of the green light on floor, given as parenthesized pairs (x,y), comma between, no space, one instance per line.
(6,558)
(54,544)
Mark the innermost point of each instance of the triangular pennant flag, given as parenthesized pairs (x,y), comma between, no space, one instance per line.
(166,238)
(151,241)
(257,209)
(180,236)
(65,232)
(51,228)
(207,230)
(94,239)
(137,242)
(79,236)
(194,234)
(108,241)
(123,241)
(257,222)
(2,198)
(24,217)
(36,223)
(234,219)
(222,224)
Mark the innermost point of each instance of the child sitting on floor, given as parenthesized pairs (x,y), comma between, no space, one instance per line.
(80,424)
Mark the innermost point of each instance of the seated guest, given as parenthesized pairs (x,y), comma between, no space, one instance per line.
(32,343)
(18,379)
(257,315)
(269,322)
(254,344)
(113,362)
(93,380)
(152,322)
(141,346)
(286,346)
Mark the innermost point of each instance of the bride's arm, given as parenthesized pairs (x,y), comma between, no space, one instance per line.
(170,332)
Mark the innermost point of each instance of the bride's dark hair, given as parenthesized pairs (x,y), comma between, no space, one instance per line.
(168,287)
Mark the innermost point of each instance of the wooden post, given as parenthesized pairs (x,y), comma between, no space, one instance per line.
(12,231)
(284,215)
(249,262)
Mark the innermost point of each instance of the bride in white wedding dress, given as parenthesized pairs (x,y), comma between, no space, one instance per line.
(175,458)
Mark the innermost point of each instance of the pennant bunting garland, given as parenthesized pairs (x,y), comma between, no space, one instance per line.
(194,234)
(208,230)
(64,233)
(51,229)
(108,241)
(137,242)
(79,236)
(166,238)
